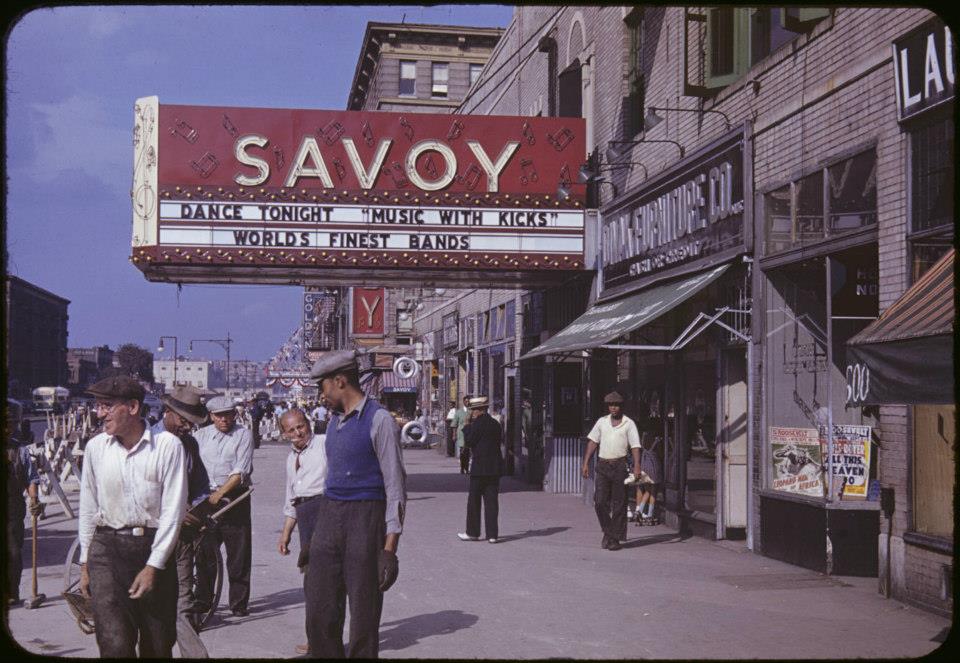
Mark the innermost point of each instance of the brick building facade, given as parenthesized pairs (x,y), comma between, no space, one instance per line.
(36,338)
(766,145)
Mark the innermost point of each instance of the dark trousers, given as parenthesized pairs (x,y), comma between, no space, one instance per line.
(306,520)
(464,460)
(16,511)
(255,423)
(234,532)
(451,441)
(610,495)
(114,560)
(486,488)
(344,553)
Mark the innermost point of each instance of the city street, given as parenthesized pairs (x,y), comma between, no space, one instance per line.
(546,590)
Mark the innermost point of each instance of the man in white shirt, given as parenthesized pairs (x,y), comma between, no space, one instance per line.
(133,497)
(319,415)
(226,450)
(615,435)
(306,474)
(451,419)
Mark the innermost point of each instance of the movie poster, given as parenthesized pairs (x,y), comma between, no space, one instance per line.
(851,459)
(797,461)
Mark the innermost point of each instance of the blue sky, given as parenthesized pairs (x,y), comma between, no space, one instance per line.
(72,76)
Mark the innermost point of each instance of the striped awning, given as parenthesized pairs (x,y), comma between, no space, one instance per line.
(906,355)
(391,383)
(926,309)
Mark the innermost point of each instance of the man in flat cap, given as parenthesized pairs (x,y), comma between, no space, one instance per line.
(482,436)
(22,477)
(353,550)
(226,450)
(615,435)
(133,497)
(182,410)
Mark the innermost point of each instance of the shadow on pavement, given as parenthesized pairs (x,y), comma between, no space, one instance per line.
(547,531)
(672,537)
(458,483)
(407,632)
(261,607)
(51,548)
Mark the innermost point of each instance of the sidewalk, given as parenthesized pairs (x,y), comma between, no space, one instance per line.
(546,590)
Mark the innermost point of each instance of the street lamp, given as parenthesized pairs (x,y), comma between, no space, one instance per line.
(175,352)
(223,343)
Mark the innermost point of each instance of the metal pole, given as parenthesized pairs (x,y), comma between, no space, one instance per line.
(750,443)
(228,361)
(175,353)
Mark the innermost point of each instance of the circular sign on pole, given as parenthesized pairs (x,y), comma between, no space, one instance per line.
(406,368)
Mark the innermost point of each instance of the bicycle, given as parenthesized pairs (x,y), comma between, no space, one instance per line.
(79,605)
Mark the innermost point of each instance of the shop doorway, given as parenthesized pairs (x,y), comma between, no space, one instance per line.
(699,436)
(731,456)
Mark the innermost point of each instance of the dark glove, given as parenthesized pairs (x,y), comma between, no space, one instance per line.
(388,567)
(35,508)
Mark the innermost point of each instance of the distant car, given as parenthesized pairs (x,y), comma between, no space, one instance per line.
(152,407)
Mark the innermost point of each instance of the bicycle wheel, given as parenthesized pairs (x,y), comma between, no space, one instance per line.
(204,617)
(71,567)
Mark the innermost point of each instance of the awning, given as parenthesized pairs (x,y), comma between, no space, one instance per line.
(906,355)
(604,322)
(394,384)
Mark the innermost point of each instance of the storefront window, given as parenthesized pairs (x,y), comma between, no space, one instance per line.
(853,192)
(804,391)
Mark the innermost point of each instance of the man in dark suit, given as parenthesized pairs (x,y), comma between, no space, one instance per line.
(482,436)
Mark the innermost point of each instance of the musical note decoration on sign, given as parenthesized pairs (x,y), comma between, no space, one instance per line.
(561,140)
(528,134)
(396,173)
(471,177)
(367,134)
(407,128)
(205,165)
(455,130)
(529,172)
(332,132)
(338,166)
(230,126)
(184,130)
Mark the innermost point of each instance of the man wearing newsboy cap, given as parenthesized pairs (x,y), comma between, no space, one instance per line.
(182,410)
(353,549)
(226,450)
(133,496)
(615,435)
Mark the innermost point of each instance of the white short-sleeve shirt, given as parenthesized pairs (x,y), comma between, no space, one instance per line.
(615,441)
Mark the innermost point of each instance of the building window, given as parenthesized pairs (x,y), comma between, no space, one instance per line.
(549,46)
(931,154)
(408,78)
(633,103)
(475,70)
(795,215)
(441,71)
(738,38)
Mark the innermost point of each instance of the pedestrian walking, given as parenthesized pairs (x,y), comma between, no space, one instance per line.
(226,450)
(182,410)
(133,497)
(482,436)
(22,476)
(319,415)
(305,478)
(614,435)
(461,419)
(451,431)
(353,549)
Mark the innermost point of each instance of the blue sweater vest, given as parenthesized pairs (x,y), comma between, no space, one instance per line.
(353,469)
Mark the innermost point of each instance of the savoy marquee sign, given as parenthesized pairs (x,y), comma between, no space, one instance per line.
(354,197)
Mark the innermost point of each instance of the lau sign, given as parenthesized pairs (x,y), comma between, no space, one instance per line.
(923,61)
(353,197)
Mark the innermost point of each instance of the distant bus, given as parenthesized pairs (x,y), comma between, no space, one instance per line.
(50,399)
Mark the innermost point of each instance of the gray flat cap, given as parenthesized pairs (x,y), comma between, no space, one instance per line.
(220,404)
(331,362)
